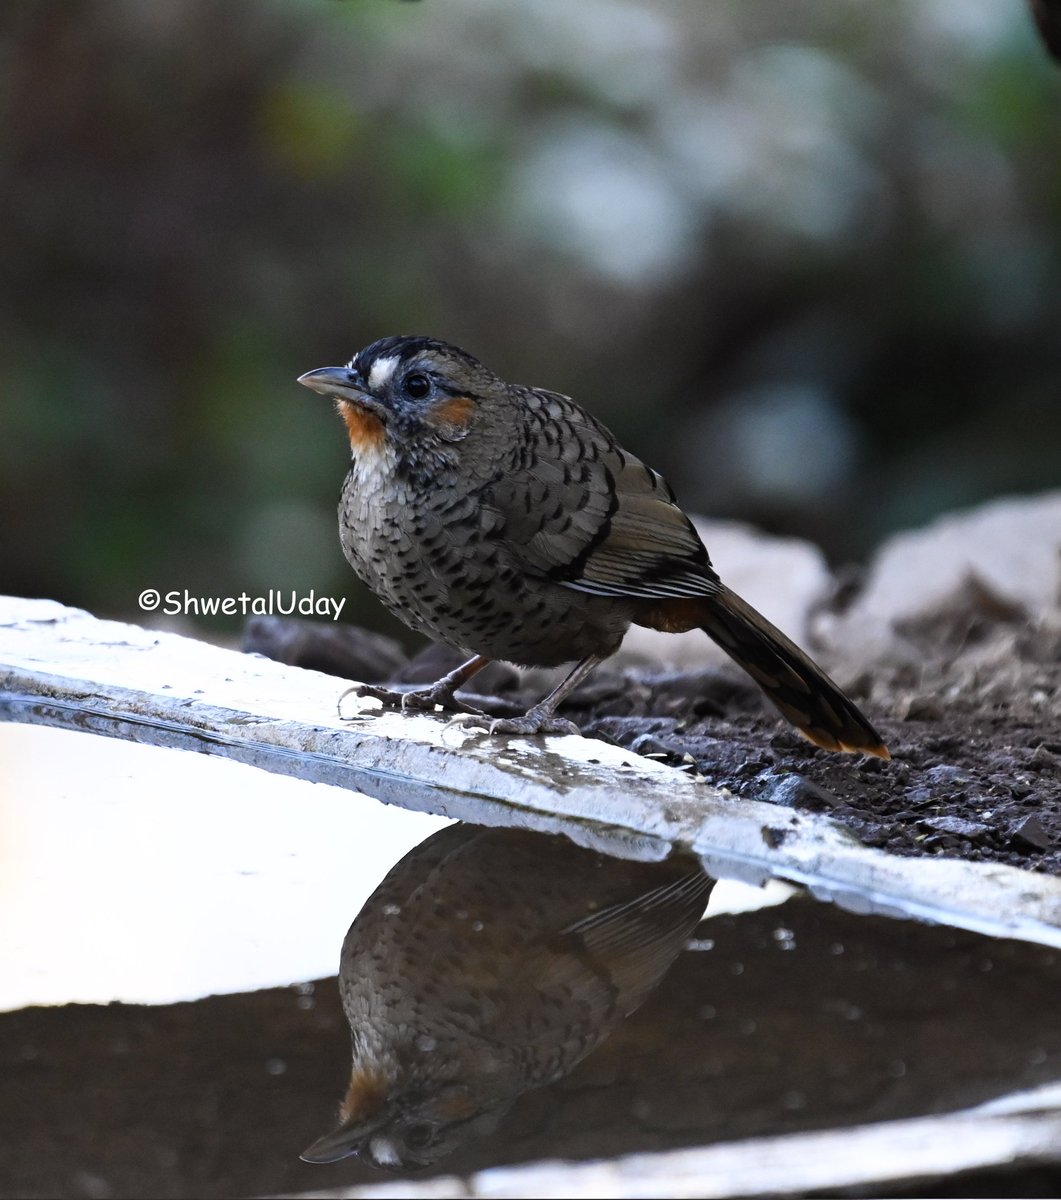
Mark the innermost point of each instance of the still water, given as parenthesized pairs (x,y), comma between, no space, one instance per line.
(134,873)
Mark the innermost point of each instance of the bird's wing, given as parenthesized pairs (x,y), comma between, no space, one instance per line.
(582,511)
(571,989)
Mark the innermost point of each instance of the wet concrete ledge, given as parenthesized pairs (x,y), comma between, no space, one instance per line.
(63,667)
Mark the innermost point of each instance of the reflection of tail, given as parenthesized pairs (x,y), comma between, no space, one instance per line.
(630,946)
(798,687)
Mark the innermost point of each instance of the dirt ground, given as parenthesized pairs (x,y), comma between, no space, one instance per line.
(975,736)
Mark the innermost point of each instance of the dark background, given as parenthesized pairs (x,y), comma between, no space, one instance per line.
(805,258)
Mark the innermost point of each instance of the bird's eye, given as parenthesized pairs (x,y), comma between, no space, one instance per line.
(417,1136)
(416,385)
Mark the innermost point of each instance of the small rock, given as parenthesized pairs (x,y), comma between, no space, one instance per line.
(871,765)
(344,650)
(435,660)
(625,731)
(919,795)
(708,690)
(919,708)
(1042,759)
(703,749)
(795,791)
(946,775)
(651,745)
(1031,832)
(955,825)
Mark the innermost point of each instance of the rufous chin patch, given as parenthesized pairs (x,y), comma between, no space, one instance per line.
(366,431)
(365,1096)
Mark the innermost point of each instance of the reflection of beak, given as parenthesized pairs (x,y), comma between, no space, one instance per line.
(346,1140)
(341,382)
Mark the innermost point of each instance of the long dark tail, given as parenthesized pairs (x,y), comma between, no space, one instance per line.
(798,687)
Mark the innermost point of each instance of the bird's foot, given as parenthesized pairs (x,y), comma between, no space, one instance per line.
(417,699)
(535,722)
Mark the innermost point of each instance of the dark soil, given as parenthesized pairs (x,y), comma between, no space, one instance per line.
(975,736)
(972,716)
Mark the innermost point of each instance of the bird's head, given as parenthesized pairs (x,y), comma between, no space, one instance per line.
(406,1125)
(407,389)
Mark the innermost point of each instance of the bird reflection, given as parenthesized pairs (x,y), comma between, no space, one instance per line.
(489,962)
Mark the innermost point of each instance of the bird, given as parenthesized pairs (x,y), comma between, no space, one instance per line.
(509,522)
(489,962)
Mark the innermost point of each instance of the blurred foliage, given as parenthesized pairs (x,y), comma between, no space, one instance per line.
(805,258)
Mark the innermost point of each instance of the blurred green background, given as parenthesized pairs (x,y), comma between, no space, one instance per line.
(805,258)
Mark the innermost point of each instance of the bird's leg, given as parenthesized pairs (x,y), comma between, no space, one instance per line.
(542,717)
(429,698)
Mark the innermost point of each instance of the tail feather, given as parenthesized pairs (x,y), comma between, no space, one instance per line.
(797,686)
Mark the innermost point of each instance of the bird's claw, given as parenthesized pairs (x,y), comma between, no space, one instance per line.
(418,700)
(531,724)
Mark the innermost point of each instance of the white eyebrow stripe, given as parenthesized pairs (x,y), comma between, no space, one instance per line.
(382,370)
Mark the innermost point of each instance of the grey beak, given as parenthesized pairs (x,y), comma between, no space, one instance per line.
(345,1141)
(335,381)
